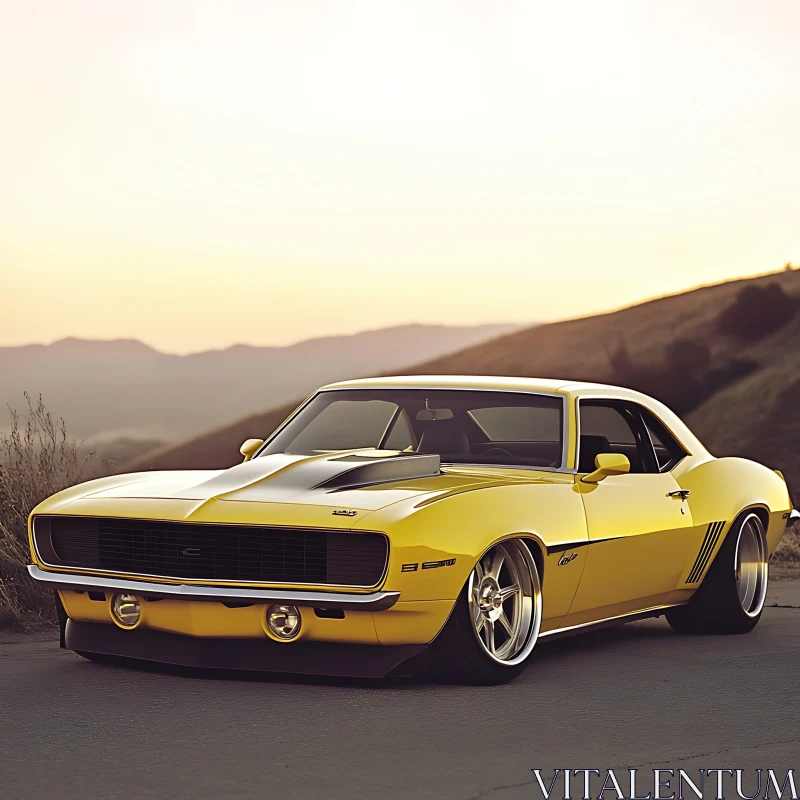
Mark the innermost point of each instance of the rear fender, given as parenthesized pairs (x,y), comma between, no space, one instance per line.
(723,488)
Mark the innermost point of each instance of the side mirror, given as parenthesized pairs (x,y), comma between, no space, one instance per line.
(250,447)
(608,464)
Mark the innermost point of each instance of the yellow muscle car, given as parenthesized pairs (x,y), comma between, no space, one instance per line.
(439,524)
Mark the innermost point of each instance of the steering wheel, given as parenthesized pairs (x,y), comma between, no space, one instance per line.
(497,451)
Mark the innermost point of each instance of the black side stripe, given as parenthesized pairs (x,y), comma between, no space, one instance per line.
(709,543)
(562,548)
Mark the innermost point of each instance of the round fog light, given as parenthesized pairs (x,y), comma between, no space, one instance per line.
(283,621)
(126,610)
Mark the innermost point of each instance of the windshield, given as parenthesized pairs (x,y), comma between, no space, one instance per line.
(472,427)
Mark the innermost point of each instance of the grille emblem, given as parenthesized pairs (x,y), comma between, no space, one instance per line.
(191,552)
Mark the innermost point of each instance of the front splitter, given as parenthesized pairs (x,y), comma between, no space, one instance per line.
(261,655)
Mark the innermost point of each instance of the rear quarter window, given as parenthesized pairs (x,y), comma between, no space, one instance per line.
(668,450)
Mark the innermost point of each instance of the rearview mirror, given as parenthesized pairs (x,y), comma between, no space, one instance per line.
(608,464)
(250,448)
(432,414)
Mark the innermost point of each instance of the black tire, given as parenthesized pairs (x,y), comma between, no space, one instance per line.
(717,606)
(459,654)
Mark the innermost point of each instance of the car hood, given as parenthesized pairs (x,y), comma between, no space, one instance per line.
(355,481)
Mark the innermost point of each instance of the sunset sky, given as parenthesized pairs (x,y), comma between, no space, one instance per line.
(195,174)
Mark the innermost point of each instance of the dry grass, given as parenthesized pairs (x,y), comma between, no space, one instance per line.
(788,551)
(37,459)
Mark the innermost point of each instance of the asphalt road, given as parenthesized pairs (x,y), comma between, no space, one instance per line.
(633,696)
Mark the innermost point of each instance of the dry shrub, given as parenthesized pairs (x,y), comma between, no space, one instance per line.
(757,311)
(684,379)
(37,459)
(788,551)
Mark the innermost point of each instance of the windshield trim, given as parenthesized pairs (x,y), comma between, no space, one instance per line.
(537,392)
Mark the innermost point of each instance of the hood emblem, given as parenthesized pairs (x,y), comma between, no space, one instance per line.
(344,512)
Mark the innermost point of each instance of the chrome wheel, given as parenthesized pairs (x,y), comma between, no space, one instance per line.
(505,602)
(751,566)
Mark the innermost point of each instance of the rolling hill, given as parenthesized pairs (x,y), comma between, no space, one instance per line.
(755,415)
(126,389)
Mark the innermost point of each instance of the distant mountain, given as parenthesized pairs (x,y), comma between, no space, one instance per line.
(123,387)
(754,413)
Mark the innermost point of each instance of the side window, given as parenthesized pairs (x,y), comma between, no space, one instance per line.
(668,451)
(610,428)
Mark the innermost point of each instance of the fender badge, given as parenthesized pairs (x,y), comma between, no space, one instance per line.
(344,512)
(434,564)
(566,559)
(409,567)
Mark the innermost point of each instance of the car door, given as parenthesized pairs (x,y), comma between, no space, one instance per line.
(640,527)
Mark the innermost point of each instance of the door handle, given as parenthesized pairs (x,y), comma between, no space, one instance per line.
(682,493)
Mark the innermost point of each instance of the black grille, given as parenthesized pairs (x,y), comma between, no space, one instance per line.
(214,552)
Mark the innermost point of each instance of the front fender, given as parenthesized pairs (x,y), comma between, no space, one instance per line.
(435,545)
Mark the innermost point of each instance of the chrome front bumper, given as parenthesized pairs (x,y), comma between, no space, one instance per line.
(374,601)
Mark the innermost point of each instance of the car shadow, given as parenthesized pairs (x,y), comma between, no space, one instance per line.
(548,652)
(605,638)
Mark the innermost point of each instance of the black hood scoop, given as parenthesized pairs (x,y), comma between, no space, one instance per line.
(285,478)
(359,471)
